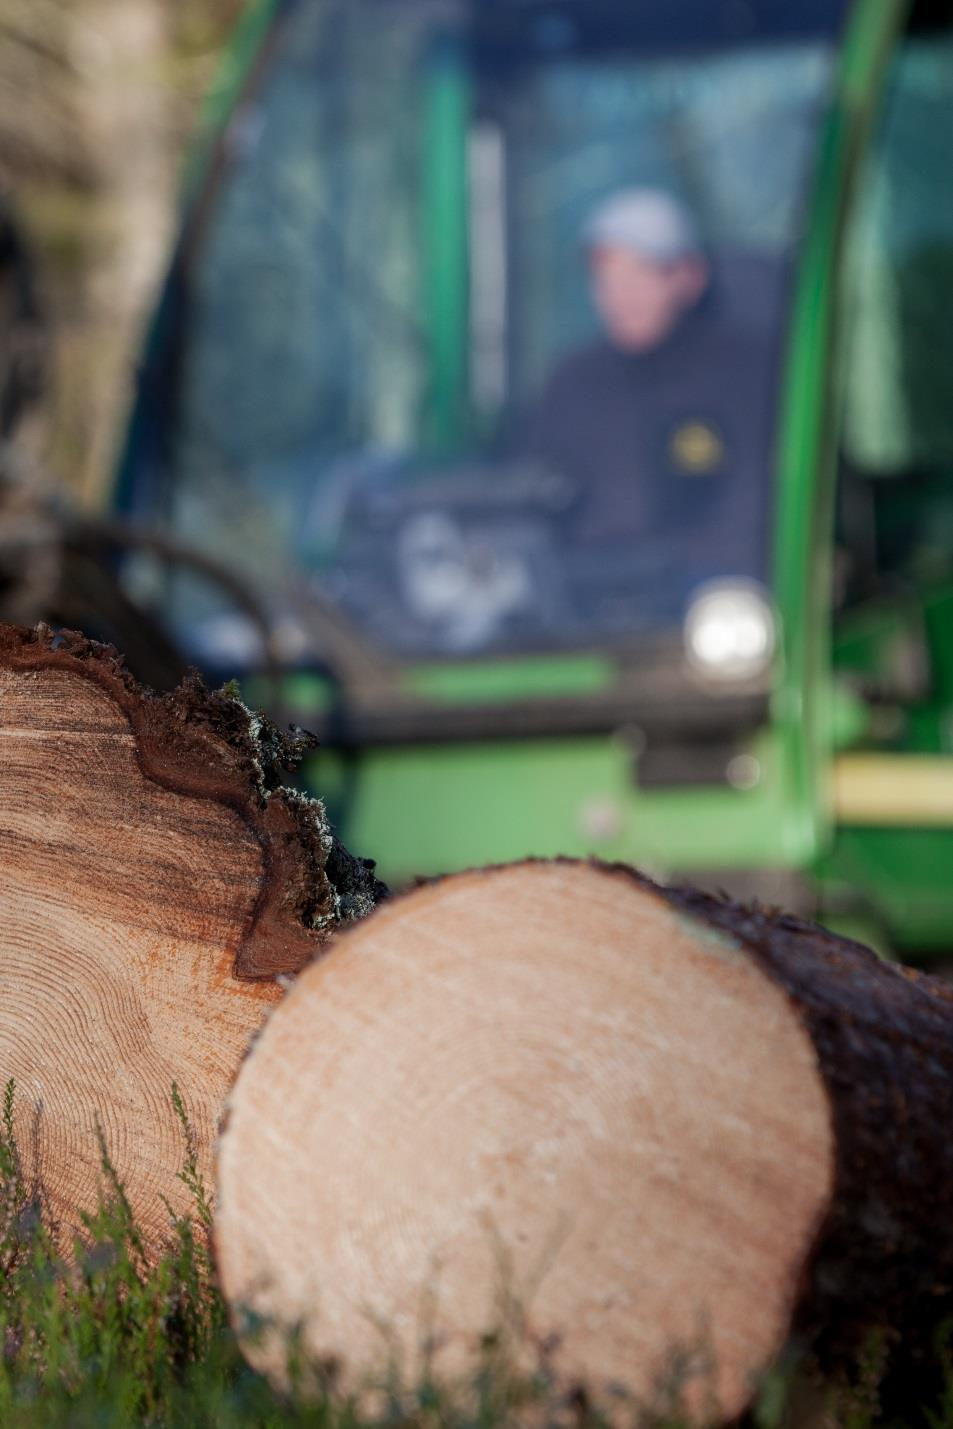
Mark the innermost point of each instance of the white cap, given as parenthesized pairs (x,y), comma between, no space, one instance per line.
(650,222)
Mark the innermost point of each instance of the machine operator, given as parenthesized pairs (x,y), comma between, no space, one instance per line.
(657,422)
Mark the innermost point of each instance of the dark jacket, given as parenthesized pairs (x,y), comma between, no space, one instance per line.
(672,445)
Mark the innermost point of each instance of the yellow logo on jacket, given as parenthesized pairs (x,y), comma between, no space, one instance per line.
(696,448)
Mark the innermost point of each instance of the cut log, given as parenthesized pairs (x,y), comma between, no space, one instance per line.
(677,1123)
(156,882)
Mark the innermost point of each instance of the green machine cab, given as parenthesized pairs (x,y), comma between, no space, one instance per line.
(749,684)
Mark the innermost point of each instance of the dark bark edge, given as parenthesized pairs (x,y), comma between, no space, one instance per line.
(207,744)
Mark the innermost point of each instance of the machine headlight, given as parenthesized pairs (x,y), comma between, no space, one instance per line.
(730,631)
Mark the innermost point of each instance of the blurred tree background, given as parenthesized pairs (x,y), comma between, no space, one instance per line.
(98,99)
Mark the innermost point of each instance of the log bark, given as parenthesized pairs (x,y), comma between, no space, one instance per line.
(681,1123)
(157,881)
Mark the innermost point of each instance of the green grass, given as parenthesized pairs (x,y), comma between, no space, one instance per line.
(109,1337)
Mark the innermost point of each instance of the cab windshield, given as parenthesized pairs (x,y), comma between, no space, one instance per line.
(398,382)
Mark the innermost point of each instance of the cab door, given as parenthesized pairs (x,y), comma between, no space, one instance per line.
(889,870)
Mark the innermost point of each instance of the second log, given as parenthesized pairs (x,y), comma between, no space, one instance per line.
(667,1122)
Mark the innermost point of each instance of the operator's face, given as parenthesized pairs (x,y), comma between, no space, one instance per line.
(642,301)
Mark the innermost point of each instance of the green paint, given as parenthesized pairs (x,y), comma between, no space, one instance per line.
(874,640)
(850,716)
(437,808)
(897,879)
(490,682)
(307,694)
(446,240)
(806,447)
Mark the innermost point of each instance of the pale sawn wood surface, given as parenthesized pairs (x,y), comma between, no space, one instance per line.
(122,905)
(540,1079)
